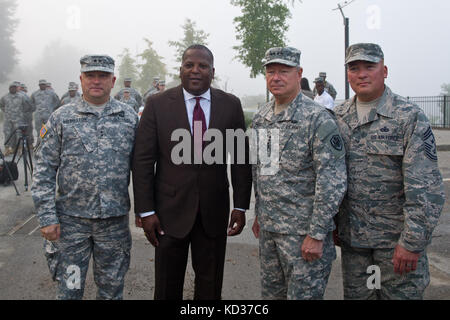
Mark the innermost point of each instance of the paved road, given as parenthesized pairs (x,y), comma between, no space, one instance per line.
(24,273)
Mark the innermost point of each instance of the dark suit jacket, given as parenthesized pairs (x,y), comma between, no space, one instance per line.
(178,192)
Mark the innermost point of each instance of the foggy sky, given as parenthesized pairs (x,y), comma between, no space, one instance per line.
(414,36)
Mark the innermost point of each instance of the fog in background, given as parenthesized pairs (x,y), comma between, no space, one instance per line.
(53,35)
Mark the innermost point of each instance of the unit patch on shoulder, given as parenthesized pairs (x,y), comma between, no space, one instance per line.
(336,142)
(43,131)
(430,145)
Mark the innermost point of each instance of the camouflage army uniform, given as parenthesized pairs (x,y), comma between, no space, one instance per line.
(15,107)
(298,200)
(149,93)
(328,88)
(131,102)
(45,102)
(69,99)
(133,93)
(29,119)
(88,155)
(395,195)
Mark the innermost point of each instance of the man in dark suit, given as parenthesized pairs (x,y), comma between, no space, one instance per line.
(187,204)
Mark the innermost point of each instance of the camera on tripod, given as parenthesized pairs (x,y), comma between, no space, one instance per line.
(23,128)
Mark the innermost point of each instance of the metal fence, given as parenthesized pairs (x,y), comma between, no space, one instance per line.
(436,108)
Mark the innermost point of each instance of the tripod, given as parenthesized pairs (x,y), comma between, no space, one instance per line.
(6,167)
(25,152)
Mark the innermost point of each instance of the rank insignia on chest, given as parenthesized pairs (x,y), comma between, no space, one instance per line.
(43,131)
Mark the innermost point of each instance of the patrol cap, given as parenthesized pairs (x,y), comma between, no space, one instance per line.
(93,62)
(318,79)
(162,83)
(322,74)
(49,84)
(126,90)
(18,84)
(73,87)
(13,84)
(364,51)
(155,78)
(288,56)
(42,81)
(127,80)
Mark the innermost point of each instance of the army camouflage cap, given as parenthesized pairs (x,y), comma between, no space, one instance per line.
(318,79)
(127,80)
(364,51)
(162,83)
(102,63)
(288,56)
(13,84)
(322,74)
(73,87)
(42,81)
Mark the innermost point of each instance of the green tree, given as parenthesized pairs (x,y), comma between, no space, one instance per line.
(151,66)
(7,27)
(127,68)
(262,25)
(190,36)
(445,89)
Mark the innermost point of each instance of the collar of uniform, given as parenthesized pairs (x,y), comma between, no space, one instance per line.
(268,110)
(110,107)
(385,105)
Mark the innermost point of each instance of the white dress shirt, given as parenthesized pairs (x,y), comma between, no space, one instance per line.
(325,100)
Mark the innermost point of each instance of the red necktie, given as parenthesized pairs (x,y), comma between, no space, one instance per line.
(198,123)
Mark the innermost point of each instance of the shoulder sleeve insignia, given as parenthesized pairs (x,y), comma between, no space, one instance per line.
(430,145)
(43,131)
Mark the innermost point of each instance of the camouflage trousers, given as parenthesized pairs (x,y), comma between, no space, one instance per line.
(109,242)
(285,274)
(355,264)
(9,128)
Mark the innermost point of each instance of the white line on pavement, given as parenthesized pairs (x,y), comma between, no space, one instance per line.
(18,227)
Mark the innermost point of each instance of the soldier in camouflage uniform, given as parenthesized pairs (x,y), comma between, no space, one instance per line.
(395,191)
(86,150)
(73,97)
(45,101)
(153,90)
(21,88)
(328,86)
(133,92)
(295,206)
(15,106)
(129,100)
(65,95)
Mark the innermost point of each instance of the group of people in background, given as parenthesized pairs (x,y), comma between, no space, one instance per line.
(364,177)
(20,109)
(323,93)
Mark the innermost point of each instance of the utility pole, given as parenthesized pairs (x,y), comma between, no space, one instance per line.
(347,41)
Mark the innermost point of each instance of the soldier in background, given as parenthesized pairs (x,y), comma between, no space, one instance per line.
(86,150)
(395,190)
(129,100)
(45,102)
(295,205)
(161,86)
(153,89)
(71,85)
(28,114)
(328,86)
(15,106)
(133,92)
(73,97)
